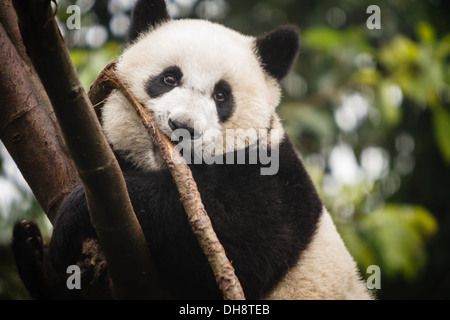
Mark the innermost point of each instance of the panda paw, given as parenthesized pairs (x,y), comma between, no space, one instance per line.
(30,255)
(27,242)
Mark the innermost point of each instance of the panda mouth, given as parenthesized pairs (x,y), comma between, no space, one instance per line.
(184,135)
(182,130)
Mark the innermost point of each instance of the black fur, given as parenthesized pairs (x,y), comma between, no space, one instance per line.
(33,265)
(224,108)
(263,222)
(278,50)
(146,14)
(28,251)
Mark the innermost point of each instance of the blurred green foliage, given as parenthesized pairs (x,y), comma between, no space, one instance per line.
(368,110)
(16,203)
(90,62)
(390,235)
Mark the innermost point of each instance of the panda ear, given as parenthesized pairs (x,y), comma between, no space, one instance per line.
(278,50)
(146,14)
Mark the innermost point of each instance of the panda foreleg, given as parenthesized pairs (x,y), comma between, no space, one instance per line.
(34,266)
(72,226)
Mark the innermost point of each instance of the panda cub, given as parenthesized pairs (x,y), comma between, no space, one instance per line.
(207,81)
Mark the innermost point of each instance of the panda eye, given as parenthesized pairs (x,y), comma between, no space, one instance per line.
(170,80)
(220,96)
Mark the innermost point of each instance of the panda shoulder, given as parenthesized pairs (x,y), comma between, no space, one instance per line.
(325,270)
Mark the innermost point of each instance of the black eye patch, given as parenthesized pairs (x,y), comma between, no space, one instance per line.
(223,97)
(164,82)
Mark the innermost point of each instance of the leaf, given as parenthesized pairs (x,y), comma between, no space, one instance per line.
(399,53)
(322,38)
(425,32)
(395,237)
(399,236)
(328,39)
(441,126)
(390,102)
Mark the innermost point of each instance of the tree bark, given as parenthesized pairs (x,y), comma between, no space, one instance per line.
(129,262)
(198,218)
(28,127)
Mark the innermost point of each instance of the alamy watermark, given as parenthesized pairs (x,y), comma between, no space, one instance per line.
(236,146)
(74,279)
(74,20)
(374,20)
(374,280)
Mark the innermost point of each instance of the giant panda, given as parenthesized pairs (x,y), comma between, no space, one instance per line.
(200,77)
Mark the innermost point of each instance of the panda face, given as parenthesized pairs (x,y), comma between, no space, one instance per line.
(195,76)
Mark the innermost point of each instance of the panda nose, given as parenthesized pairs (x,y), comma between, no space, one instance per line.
(174,124)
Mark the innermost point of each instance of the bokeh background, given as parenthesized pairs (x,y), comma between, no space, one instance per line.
(368,111)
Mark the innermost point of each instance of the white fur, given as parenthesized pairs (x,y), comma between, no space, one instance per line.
(125,131)
(206,53)
(325,270)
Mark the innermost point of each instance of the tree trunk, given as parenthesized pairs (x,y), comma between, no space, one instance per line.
(33,138)
(129,262)
(28,126)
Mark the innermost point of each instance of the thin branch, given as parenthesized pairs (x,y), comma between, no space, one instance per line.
(182,176)
(129,262)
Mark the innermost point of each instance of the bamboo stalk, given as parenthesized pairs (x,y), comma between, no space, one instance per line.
(189,196)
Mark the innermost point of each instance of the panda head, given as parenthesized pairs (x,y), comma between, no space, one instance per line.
(196,76)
